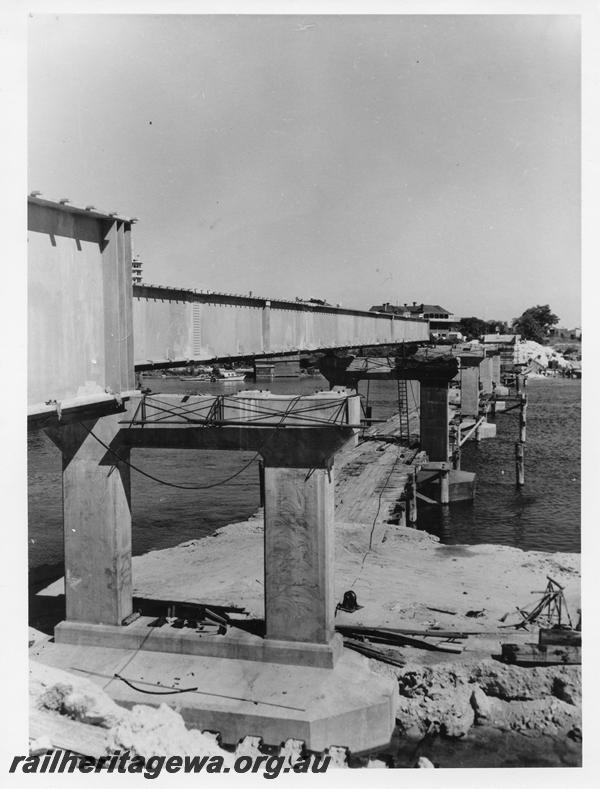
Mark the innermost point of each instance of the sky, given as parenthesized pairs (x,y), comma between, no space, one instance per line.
(357,159)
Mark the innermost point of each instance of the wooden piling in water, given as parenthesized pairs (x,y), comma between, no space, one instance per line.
(412,498)
(456,458)
(520,463)
(455,444)
(445,486)
(523,420)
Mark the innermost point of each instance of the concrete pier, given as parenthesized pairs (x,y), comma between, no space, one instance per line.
(97,523)
(469,390)
(435,439)
(336,699)
(486,374)
(299,507)
(297,438)
(496,375)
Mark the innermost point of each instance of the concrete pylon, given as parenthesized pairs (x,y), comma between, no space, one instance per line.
(486,370)
(496,369)
(97,523)
(299,521)
(434,422)
(469,391)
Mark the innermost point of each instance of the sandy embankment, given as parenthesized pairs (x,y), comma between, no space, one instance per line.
(405,575)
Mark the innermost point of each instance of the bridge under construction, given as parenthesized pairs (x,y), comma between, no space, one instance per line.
(90,328)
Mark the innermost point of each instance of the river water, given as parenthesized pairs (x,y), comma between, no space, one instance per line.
(545,515)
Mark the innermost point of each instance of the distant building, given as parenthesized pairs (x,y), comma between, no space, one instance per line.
(442,322)
(561,333)
(136,270)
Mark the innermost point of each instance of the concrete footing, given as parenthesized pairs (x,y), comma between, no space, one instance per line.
(487,430)
(461,486)
(235,643)
(347,706)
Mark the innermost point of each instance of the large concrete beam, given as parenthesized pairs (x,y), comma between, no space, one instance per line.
(291,447)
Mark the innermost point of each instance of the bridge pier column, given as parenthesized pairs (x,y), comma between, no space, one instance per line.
(299,518)
(434,420)
(496,371)
(97,523)
(486,374)
(469,391)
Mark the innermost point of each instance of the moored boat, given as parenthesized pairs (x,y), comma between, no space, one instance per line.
(201,377)
(221,374)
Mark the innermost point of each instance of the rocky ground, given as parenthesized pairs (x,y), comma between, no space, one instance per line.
(452,697)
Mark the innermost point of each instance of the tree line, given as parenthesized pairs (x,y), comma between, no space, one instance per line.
(534,324)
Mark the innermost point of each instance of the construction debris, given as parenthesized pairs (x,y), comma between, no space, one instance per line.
(548,611)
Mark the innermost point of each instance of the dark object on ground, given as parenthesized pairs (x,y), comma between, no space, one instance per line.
(349,603)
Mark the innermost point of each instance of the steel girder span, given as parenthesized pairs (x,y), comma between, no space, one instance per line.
(172,326)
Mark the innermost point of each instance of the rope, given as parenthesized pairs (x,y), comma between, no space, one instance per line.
(164,482)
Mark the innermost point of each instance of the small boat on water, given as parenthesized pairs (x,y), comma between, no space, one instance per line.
(221,374)
(201,377)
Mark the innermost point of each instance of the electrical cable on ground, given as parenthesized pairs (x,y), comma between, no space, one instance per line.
(154,692)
